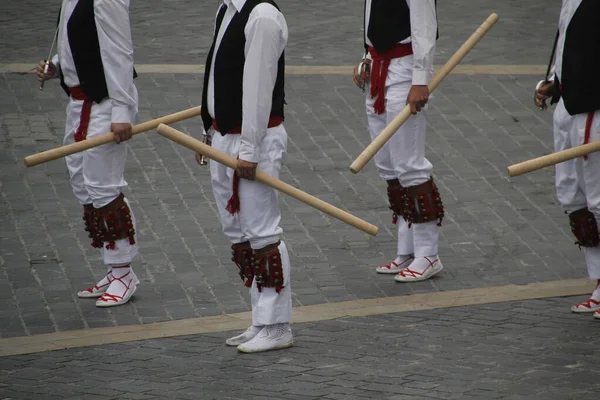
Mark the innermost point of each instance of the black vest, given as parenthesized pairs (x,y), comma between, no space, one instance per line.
(389,23)
(579,77)
(229,73)
(85,49)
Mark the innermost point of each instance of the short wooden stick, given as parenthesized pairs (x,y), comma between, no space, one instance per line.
(553,159)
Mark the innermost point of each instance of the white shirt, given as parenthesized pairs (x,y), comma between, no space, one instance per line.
(423,24)
(116,51)
(568,9)
(266,37)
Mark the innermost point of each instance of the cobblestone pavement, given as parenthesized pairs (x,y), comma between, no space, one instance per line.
(524,350)
(321,32)
(497,231)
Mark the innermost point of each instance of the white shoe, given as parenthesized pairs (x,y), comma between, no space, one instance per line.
(393,268)
(409,275)
(101,287)
(597,315)
(249,334)
(98,289)
(119,292)
(588,306)
(271,337)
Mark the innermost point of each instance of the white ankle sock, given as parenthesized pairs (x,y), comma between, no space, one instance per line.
(118,287)
(106,279)
(596,293)
(402,258)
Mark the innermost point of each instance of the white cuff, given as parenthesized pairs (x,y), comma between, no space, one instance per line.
(248,153)
(121,115)
(420,77)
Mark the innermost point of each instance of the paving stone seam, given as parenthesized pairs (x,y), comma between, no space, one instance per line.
(314,313)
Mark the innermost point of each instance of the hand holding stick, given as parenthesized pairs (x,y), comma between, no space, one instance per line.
(77,147)
(218,156)
(389,131)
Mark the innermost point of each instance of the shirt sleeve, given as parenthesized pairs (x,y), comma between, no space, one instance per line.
(551,77)
(266,37)
(423,22)
(56,63)
(116,49)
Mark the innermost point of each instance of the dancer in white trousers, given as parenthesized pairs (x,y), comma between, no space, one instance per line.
(95,67)
(575,87)
(400,37)
(242,111)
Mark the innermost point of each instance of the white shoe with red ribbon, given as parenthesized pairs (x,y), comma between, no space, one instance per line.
(101,287)
(588,306)
(597,315)
(415,274)
(393,267)
(98,289)
(121,288)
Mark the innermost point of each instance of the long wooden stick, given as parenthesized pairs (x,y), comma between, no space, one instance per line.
(63,151)
(385,135)
(553,159)
(219,156)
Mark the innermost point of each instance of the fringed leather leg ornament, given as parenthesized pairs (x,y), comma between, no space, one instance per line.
(268,270)
(94,225)
(242,257)
(396,193)
(584,228)
(423,203)
(119,225)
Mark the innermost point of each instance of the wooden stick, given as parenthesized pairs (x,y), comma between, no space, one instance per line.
(220,157)
(553,159)
(63,151)
(385,135)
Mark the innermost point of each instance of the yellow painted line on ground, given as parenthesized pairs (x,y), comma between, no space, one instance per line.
(467,69)
(313,313)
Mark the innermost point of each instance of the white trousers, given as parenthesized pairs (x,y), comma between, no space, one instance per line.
(258,218)
(403,156)
(578,180)
(97,174)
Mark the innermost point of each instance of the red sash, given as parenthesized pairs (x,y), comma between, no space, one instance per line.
(379,72)
(86,111)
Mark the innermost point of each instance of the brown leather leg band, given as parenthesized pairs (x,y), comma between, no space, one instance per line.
(268,270)
(93,225)
(584,227)
(396,195)
(422,203)
(242,257)
(117,218)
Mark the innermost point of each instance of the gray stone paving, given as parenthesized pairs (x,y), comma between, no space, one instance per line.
(514,351)
(321,32)
(497,231)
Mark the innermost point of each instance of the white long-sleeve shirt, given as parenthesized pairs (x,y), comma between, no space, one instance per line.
(266,37)
(116,51)
(423,24)
(568,9)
